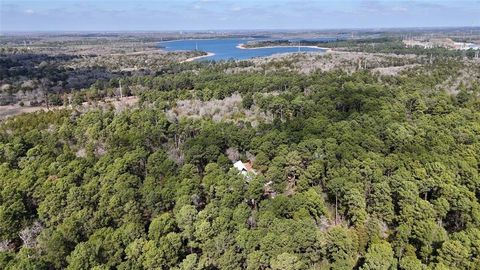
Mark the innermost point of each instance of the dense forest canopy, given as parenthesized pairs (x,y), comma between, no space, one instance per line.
(352,170)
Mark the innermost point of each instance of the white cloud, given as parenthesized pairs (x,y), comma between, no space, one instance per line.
(29,12)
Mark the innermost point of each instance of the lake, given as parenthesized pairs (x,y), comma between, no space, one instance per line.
(225,49)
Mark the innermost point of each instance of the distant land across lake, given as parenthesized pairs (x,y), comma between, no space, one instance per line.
(225,49)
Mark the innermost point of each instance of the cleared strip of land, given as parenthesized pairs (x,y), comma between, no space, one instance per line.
(118,104)
(197,57)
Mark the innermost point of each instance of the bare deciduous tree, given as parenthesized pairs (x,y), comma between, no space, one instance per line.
(233,154)
(6,245)
(250,156)
(29,234)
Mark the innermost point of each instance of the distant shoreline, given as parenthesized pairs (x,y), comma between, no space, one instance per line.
(242,46)
(197,57)
(185,39)
(200,39)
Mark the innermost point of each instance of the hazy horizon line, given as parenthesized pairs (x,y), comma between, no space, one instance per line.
(240,30)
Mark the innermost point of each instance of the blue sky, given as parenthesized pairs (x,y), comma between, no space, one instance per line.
(161,15)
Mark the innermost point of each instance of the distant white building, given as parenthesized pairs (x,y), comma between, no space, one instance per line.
(244,168)
(466,46)
(441,42)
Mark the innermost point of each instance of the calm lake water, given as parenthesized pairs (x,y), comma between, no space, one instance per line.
(225,49)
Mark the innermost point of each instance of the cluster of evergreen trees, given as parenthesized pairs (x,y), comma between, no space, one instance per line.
(356,171)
